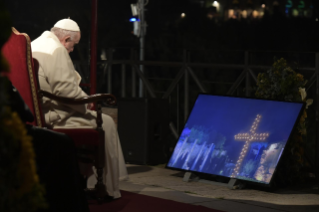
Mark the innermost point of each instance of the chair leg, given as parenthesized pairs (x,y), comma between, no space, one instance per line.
(99,186)
(100,165)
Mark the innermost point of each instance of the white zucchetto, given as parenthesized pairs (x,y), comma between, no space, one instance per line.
(67,24)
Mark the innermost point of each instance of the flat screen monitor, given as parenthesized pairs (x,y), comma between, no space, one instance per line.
(235,137)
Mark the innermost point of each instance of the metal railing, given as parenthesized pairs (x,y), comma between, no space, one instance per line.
(247,74)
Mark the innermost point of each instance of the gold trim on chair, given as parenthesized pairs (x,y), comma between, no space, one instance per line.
(33,89)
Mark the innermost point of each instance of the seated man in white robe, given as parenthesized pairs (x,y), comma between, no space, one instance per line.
(57,76)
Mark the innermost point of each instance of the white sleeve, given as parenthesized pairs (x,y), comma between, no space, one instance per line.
(78,77)
(60,74)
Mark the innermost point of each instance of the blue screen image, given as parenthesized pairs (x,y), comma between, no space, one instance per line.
(235,137)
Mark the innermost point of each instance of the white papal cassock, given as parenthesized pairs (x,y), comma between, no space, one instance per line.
(57,76)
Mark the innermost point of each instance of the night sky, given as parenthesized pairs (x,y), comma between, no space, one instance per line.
(164,22)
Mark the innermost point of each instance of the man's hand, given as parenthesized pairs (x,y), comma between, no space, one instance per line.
(90,106)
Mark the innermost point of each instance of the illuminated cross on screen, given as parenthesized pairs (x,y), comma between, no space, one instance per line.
(248,138)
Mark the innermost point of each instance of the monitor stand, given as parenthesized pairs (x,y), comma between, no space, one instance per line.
(232,184)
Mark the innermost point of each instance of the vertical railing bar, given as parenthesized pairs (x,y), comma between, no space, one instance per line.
(317,121)
(109,70)
(101,81)
(109,79)
(133,82)
(177,107)
(247,83)
(186,88)
(186,91)
(123,88)
(170,105)
(134,58)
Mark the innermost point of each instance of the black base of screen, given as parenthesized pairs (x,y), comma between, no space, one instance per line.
(143,126)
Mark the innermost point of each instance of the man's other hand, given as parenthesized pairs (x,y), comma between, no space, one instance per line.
(90,106)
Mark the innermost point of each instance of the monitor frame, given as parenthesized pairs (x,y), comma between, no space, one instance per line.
(200,174)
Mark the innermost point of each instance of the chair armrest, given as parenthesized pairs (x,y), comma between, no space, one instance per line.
(105,97)
(108,98)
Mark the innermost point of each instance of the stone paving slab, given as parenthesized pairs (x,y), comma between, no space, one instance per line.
(281,206)
(164,193)
(163,183)
(230,206)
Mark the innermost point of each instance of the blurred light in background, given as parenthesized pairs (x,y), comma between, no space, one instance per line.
(301,4)
(295,12)
(231,13)
(217,5)
(244,13)
(289,4)
(183,15)
(133,19)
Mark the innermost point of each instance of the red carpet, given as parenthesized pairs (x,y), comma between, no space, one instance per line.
(132,202)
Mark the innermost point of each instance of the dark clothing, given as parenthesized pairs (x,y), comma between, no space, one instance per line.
(56,161)
(58,170)
(17,104)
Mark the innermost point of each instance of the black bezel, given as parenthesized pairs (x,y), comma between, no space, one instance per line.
(221,176)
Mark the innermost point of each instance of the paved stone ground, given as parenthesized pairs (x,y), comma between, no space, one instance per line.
(168,184)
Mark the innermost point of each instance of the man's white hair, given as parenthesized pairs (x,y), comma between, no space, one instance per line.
(61,33)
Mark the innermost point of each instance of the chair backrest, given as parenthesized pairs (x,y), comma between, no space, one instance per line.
(17,51)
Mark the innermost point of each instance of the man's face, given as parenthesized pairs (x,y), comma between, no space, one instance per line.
(69,44)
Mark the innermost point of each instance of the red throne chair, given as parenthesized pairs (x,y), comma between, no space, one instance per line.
(23,75)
